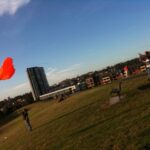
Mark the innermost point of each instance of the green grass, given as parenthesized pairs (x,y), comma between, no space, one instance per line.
(82,123)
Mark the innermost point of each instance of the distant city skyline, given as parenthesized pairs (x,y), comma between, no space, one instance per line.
(69,37)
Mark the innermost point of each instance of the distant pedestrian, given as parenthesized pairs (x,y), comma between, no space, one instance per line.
(26,119)
(61,98)
(148,67)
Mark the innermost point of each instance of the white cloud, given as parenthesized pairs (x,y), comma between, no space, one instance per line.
(55,75)
(71,68)
(17,90)
(21,86)
(11,6)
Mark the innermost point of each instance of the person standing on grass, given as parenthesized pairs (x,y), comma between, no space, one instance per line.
(148,67)
(146,59)
(26,119)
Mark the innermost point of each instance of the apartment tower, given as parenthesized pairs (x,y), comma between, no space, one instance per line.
(38,81)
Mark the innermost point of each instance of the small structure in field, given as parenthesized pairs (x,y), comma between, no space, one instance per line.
(117,91)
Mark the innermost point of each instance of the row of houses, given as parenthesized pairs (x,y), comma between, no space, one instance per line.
(108,78)
(91,80)
(91,83)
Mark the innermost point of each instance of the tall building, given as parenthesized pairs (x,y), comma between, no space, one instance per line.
(38,81)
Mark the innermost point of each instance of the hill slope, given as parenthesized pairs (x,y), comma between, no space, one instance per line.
(85,121)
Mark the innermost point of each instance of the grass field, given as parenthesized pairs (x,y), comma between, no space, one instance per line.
(85,121)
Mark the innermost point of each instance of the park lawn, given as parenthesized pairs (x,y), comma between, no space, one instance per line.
(85,121)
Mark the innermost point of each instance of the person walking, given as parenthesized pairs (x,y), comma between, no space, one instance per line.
(148,67)
(26,119)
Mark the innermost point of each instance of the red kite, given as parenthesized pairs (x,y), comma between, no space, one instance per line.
(7,69)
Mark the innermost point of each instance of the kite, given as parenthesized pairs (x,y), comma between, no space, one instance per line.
(7,69)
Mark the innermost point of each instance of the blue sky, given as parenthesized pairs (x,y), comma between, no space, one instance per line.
(70,37)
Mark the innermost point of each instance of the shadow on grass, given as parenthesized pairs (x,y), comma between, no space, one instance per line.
(96,124)
(146,132)
(144,87)
(145,147)
(105,120)
(8,118)
(93,125)
(67,114)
